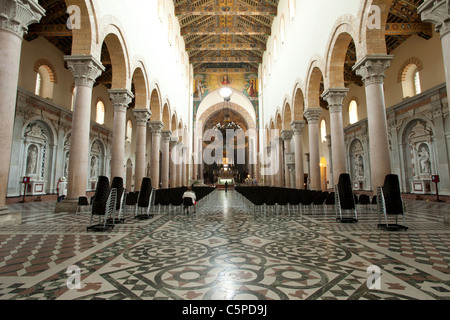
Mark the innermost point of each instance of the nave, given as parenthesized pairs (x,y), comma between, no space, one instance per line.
(226,251)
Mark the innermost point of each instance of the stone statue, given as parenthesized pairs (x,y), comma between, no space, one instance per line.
(32,160)
(93,167)
(424,159)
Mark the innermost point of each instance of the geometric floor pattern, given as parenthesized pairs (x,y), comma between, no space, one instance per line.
(227,251)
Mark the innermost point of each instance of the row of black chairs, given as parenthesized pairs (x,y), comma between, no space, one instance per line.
(388,200)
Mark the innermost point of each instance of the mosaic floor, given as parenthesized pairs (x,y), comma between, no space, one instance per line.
(226,251)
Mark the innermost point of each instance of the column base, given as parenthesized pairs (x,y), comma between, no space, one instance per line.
(9,219)
(69,206)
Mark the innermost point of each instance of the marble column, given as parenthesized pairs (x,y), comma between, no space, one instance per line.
(179,164)
(438,13)
(335,98)
(120,98)
(298,126)
(165,148)
(142,116)
(184,167)
(15,17)
(85,70)
(371,69)
(313,116)
(279,182)
(156,128)
(173,162)
(287,138)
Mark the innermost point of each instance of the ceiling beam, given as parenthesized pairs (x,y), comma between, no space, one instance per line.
(248,59)
(50,30)
(265,31)
(232,10)
(404,29)
(225,46)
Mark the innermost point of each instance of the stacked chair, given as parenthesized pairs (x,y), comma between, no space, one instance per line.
(390,203)
(118,215)
(103,206)
(345,200)
(145,200)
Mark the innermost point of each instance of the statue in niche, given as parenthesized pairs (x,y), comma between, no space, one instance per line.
(66,165)
(424,159)
(93,168)
(32,160)
(359,166)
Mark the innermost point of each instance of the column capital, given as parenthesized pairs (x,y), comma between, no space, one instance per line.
(335,98)
(17,15)
(298,126)
(372,67)
(174,141)
(156,126)
(120,98)
(166,136)
(85,69)
(142,116)
(438,13)
(313,115)
(287,135)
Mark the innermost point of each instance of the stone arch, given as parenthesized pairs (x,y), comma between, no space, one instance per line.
(49,67)
(114,39)
(341,37)
(372,40)
(287,116)
(85,38)
(139,80)
(173,124)
(298,104)
(166,116)
(404,69)
(315,78)
(155,104)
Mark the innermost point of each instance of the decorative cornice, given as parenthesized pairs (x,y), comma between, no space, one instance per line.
(85,69)
(438,13)
(372,68)
(17,15)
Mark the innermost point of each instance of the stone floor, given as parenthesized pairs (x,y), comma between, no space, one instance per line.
(227,251)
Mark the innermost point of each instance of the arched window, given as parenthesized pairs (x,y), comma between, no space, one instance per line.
(323,131)
(275,49)
(177,49)
(269,64)
(353,112)
(409,76)
(282,30)
(417,85)
(129,130)
(292,9)
(265,75)
(38,88)
(100,119)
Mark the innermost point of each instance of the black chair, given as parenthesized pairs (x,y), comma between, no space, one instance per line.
(83,202)
(330,201)
(364,201)
(145,200)
(117,184)
(345,200)
(176,197)
(103,205)
(390,203)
